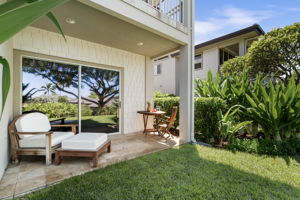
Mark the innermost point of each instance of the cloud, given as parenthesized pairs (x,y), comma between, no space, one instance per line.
(293,9)
(228,18)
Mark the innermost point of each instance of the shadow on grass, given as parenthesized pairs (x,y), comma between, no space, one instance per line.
(171,174)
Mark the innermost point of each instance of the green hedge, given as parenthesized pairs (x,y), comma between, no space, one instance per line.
(54,110)
(166,104)
(206,121)
(264,146)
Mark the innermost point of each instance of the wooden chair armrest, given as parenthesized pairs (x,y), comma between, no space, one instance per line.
(34,133)
(73,126)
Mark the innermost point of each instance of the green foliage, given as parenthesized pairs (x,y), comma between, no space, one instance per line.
(227,124)
(231,88)
(166,104)
(107,110)
(5,82)
(266,146)
(274,54)
(62,99)
(86,110)
(158,94)
(15,15)
(235,65)
(207,127)
(275,108)
(54,110)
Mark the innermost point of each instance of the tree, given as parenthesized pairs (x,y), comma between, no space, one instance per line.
(28,95)
(276,54)
(235,65)
(103,83)
(48,89)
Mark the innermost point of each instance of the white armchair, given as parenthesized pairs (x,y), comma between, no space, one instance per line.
(30,135)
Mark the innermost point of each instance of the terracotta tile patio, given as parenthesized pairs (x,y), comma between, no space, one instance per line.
(32,174)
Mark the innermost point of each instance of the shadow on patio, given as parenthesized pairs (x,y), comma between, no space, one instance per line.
(32,173)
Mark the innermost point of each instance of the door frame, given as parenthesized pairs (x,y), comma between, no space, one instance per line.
(18,80)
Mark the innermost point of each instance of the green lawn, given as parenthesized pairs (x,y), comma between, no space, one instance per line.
(91,121)
(186,172)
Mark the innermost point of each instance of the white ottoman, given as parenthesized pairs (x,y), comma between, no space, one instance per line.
(84,145)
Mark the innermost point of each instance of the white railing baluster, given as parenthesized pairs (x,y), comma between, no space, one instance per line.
(171,8)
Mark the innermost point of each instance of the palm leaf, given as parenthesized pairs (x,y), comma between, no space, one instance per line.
(54,20)
(14,21)
(5,82)
(10,5)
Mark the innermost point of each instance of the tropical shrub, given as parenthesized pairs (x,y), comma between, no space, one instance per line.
(207,127)
(227,125)
(276,109)
(266,146)
(231,88)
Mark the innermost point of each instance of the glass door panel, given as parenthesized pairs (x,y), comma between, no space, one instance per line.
(51,88)
(99,93)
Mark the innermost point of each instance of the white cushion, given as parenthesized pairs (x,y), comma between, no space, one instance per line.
(85,141)
(39,141)
(32,122)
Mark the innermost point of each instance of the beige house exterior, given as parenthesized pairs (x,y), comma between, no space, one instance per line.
(209,55)
(123,35)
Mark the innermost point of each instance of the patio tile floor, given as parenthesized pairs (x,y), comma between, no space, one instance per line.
(32,173)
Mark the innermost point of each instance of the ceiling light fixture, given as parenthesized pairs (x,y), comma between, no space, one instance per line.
(70,21)
(140,44)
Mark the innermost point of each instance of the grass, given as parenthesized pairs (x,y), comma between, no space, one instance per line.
(90,121)
(186,172)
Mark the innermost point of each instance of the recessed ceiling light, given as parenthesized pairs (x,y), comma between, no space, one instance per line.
(70,21)
(140,44)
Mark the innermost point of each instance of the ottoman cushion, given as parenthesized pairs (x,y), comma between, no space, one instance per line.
(85,141)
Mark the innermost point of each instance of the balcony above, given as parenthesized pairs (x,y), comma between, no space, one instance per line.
(168,11)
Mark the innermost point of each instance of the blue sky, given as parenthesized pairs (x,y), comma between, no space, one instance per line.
(218,17)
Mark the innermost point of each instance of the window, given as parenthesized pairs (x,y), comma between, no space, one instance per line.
(198,62)
(157,69)
(198,66)
(225,55)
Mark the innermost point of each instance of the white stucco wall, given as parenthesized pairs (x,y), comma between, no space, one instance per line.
(165,82)
(133,65)
(6,52)
(210,62)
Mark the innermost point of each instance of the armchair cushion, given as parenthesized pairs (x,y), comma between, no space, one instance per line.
(39,141)
(32,122)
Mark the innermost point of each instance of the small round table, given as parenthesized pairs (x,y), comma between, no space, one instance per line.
(146,115)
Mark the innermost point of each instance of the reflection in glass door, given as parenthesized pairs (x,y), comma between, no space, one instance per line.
(52,88)
(100,91)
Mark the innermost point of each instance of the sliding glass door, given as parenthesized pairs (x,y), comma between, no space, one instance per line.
(53,88)
(99,100)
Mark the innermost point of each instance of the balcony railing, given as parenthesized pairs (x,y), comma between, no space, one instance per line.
(171,8)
